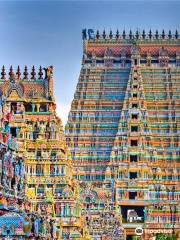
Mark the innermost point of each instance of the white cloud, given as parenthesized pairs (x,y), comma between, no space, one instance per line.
(63,111)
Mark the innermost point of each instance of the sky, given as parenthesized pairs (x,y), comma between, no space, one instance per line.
(48,32)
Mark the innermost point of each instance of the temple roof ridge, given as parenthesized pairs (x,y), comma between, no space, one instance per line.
(30,73)
(91,34)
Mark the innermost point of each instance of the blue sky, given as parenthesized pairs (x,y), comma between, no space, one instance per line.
(49,33)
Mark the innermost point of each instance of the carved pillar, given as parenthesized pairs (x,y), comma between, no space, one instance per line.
(33,107)
(38,107)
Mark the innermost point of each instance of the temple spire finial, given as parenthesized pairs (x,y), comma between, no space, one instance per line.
(163,34)
(12,75)
(150,34)
(110,34)
(18,73)
(130,34)
(137,34)
(40,73)
(124,34)
(117,34)
(104,34)
(169,34)
(97,34)
(3,73)
(11,72)
(33,72)
(26,72)
(156,34)
(143,34)
(176,34)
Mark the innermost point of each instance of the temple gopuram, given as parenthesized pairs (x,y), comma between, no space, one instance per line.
(39,199)
(123,133)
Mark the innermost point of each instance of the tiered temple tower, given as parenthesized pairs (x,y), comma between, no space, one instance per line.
(123,127)
(37,133)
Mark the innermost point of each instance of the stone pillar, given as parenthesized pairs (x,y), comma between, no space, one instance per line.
(38,107)
(33,107)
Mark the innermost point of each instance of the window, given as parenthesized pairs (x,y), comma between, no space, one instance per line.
(134,95)
(39,170)
(134,128)
(108,185)
(149,62)
(133,175)
(88,177)
(63,170)
(134,143)
(133,158)
(13,132)
(177,62)
(132,195)
(28,107)
(58,190)
(43,108)
(34,107)
(134,105)
(53,169)
(134,116)
(98,177)
(13,107)
(135,61)
(120,175)
(38,155)
(135,86)
(40,189)
(53,155)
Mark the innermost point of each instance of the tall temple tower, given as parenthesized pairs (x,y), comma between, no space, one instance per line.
(37,133)
(123,128)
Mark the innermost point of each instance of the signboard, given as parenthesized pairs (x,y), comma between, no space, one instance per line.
(139,231)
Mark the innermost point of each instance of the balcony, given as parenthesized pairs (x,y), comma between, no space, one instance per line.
(17,118)
(134,134)
(46,179)
(137,202)
(38,113)
(132,225)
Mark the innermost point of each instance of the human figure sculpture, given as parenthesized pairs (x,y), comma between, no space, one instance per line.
(6,172)
(27,225)
(30,131)
(47,131)
(17,132)
(7,128)
(17,172)
(42,128)
(48,72)
(53,130)
(14,143)
(9,142)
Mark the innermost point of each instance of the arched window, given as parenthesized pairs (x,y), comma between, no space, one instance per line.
(28,107)
(43,108)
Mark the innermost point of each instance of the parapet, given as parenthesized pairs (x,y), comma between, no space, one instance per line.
(42,73)
(130,36)
(27,84)
(100,45)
